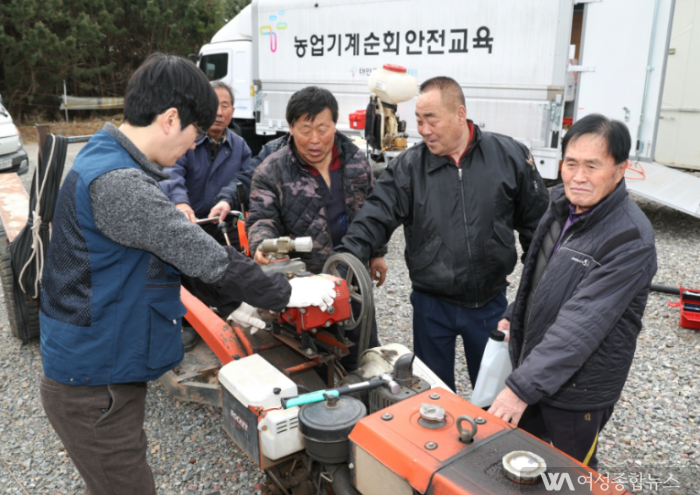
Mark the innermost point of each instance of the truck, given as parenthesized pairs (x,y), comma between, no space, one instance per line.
(13,158)
(527,69)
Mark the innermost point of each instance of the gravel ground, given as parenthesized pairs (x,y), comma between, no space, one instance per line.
(655,425)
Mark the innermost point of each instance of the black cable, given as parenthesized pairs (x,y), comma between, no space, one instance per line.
(666,289)
(28,250)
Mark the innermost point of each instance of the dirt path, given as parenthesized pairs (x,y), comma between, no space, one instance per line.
(75,128)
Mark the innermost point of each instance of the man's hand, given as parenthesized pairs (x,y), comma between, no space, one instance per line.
(508,406)
(221,209)
(504,326)
(246,317)
(311,291)
(187,210)
(377,270)
(261,259)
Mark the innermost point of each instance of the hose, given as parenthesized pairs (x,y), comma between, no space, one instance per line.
(666,289)
(28,250)
(341,479)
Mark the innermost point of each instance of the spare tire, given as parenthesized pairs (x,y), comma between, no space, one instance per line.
(32,306)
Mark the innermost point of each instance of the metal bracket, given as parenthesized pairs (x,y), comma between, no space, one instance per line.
(580,68)
(627,114)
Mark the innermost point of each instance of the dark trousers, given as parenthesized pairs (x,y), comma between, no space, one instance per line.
(573,432)
(101,428)
(436,325)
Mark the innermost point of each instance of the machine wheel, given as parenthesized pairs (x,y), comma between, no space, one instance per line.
(8,290)
(361,290)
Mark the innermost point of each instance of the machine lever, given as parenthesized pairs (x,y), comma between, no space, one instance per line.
(240,195)
(224,230)
(200,221)
(389,380)
(321,395)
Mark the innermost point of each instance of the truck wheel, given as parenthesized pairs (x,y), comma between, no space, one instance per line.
(7,288)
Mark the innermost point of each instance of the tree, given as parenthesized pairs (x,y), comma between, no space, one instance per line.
(233,8)
(95,45)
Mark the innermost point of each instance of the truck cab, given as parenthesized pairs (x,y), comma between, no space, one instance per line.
(228,58)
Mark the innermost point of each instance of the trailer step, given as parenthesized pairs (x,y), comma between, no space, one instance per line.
(667,186)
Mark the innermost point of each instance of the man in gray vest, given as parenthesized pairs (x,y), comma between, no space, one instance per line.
(110,302)
(578,312)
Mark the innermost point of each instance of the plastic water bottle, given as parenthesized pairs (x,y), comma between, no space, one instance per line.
(495,368)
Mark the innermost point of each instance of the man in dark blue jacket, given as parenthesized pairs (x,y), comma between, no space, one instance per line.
(578,312)
(220,158)
(110,299)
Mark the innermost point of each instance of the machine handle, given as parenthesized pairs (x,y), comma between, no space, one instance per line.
(317,396)
(321,395)
(240,195)
(201,221)
(466,436)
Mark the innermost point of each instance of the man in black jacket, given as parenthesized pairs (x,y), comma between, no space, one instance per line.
(578,312)
(459,195)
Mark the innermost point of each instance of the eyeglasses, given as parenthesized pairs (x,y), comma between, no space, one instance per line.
(200,133)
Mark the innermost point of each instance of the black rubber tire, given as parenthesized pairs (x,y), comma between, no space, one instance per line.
(7,288)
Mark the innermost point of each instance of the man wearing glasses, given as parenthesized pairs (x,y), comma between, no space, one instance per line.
(110,301)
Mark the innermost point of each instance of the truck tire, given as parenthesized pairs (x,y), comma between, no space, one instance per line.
(7,288)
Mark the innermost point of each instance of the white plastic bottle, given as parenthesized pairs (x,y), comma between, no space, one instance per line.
(495,368)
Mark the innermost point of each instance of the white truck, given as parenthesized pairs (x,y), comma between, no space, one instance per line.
(523,65)
(13,158)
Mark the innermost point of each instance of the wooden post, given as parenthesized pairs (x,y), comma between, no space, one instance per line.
(42,131)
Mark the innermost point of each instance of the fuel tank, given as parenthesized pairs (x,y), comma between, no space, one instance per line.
(417,445)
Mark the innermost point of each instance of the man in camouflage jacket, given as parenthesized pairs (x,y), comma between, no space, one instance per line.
(286,199)
(314,186)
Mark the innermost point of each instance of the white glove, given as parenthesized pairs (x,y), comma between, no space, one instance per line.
(311,291)
(246,317)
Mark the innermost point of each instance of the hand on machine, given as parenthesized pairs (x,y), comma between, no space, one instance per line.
(246,317)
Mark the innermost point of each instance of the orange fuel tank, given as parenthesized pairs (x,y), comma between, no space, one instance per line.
(396,451)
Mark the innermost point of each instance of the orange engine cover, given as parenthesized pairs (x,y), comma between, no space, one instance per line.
(305,319)
(395,454)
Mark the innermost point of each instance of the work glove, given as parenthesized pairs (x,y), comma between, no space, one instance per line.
(311,291)
(246,317)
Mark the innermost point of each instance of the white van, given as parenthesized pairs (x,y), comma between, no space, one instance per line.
(13,158)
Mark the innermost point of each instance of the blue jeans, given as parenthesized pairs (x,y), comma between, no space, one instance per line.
(436,325)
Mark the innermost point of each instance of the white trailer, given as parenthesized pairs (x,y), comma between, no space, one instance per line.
(514,60)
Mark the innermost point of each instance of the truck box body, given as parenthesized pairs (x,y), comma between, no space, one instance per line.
(514,60)
(509,56)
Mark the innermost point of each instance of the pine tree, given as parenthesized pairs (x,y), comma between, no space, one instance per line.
(95,45)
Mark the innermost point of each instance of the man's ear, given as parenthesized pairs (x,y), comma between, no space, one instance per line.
(169,120)
(462,112)
(620,172)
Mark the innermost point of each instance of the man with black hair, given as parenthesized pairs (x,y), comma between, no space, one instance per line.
(110,301)
(578,312)
(459,194)
(314,186)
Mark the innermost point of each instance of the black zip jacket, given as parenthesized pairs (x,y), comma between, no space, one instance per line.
(574,345)
(458,221)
